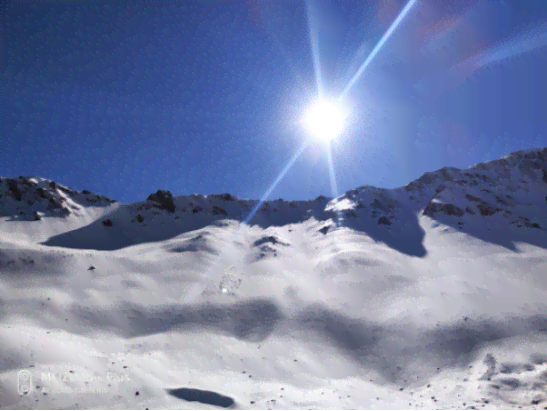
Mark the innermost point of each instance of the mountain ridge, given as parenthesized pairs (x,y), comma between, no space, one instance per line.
(510,191)
(535,158)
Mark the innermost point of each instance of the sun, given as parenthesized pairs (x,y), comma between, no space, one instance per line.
(324,120)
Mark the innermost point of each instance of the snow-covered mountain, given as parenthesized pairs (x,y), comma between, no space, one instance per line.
(428,295)
(510,190)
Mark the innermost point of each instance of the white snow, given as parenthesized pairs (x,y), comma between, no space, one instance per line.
(428,296)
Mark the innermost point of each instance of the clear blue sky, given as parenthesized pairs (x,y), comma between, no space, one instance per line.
(206,97)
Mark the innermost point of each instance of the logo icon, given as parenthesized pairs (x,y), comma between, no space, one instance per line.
(24,382)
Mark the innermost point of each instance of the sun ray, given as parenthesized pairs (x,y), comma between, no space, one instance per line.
(378,46)
(277,180)
(333,185)
(197,288)
(314,43)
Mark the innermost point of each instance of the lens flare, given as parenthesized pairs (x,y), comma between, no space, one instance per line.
(373,53)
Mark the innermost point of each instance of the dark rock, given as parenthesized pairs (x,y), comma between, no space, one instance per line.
(86,192)
(37,216)
(486,209)
(66,190)
(427,178)
(27,182)
(441,188)
(197,209)
(472,198)
(109,200)
(219,211)
(384,220)
(414,185)
(12,186)
(164,198)
(226,197)
(107,222)
(377,204)
(140,218)
(91,268)
(501,201)
(54,204)
(447,209)
(350,213)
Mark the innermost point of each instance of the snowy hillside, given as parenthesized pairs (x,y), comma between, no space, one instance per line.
(431,295)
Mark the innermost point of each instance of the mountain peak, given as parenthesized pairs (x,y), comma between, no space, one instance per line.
(31,197)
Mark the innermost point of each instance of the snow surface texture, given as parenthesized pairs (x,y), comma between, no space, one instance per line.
(432,295)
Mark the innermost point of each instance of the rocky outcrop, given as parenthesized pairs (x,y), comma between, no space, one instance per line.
(224,197)
(384,221)
(219,211)
(164,199)
(434,207)
(377,204)
(272,239)
(472,198)
(107,222)
(350,213)
(66,190)
(487,209)
(324,230)
(469,210)
(14,190)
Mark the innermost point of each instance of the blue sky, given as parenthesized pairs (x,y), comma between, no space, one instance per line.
(206,97)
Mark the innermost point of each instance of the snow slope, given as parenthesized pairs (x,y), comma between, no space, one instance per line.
(432,295)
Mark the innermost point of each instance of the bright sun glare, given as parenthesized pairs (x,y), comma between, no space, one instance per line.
(324,120)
